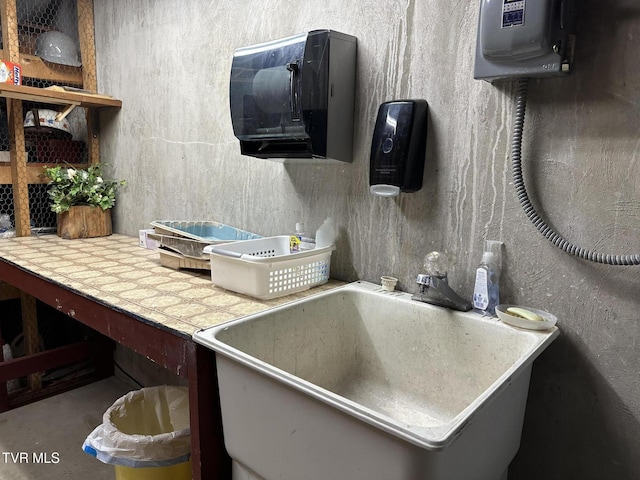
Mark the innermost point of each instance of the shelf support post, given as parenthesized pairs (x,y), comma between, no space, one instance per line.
(89,78)
(9,20)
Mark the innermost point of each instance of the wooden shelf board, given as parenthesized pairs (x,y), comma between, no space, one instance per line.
(35,174)
(56,97)
(35,67)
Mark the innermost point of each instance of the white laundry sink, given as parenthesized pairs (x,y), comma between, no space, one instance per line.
(359,383)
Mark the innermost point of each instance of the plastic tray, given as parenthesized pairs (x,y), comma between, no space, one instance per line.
(187,247)
(207,231)
(265,268)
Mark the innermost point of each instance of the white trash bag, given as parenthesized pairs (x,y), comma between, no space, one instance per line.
(144,428)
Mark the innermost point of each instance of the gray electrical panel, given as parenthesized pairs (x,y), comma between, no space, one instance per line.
(524,38)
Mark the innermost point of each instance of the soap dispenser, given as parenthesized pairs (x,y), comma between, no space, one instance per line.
(295,241)
(486,294)
(398,148)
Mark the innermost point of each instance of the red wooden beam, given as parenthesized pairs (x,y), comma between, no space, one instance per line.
(39,362)
(208,455)
(173,350)
(166,347)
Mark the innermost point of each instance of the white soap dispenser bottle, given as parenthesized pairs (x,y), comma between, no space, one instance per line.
(295,240)
(486,294)
(326,234)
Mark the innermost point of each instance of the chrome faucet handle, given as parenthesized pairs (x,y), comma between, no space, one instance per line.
(437,264)
(434,287)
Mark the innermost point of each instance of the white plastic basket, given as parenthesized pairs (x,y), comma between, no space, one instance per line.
(264,268)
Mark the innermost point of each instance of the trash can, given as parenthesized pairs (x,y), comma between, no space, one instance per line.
(146,435)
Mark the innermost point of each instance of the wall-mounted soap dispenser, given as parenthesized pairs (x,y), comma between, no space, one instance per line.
(398,147)
(294,97)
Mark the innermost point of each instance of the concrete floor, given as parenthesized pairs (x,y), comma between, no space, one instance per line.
(53,430)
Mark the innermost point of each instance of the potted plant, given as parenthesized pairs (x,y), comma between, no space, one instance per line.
(83,199)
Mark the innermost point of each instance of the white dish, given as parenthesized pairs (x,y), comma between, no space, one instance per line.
(548,319)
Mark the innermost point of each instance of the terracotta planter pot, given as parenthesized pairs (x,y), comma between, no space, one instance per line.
(84,221)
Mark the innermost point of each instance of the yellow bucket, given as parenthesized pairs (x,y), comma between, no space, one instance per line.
(181,471)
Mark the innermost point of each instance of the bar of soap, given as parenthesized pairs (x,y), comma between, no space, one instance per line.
(524,313)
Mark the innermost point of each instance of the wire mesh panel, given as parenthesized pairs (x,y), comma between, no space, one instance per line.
(48,38)
(42,218)
(48,140)
(48,29)
(6,202)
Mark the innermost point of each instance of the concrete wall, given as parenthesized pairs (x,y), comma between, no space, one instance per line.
(169,62)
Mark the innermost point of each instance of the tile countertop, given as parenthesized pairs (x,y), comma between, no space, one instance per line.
(117,272)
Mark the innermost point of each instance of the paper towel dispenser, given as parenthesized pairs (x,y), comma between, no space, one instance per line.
(294,97)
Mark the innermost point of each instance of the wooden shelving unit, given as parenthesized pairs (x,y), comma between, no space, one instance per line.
(18,172)
(69,99)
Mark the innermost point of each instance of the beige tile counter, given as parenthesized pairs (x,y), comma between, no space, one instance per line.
(119,289)
(118,273)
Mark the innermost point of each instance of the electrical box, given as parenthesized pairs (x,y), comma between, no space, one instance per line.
(524,38)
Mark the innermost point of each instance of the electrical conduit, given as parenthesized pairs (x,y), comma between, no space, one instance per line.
(521,191)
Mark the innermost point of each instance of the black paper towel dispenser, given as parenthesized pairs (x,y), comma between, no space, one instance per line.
(294,97)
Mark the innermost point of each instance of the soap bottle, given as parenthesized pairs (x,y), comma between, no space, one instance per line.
(486,294)
(295,242)
(326,234)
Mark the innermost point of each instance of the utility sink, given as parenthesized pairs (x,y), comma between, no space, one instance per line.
(361,383)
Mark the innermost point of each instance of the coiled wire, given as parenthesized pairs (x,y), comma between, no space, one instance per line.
(521,191)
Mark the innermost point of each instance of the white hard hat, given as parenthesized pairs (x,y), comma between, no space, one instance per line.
(59,48)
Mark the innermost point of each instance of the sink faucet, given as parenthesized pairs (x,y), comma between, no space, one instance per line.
(434,287)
